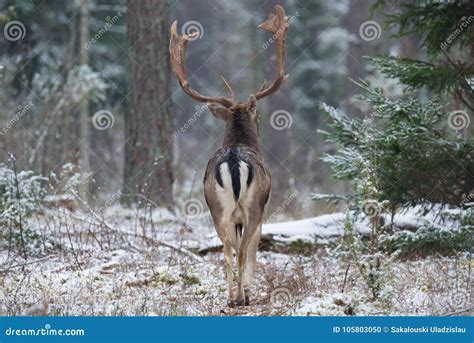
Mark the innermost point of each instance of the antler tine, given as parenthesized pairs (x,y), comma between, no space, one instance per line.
(178,45)
(278,25)
(229,88)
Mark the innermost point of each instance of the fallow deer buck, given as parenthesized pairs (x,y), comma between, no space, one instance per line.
(236,182)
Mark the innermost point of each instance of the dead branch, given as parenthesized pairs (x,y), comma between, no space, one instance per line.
(6,270)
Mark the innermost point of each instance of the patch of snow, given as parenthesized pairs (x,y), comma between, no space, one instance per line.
(319,229)
(337,304)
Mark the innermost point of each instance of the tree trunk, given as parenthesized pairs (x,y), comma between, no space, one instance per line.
(84,103)
(148,151)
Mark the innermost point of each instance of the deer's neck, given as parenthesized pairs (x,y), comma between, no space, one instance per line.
(240,131)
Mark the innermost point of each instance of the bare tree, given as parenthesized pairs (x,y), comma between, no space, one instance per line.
(148,149)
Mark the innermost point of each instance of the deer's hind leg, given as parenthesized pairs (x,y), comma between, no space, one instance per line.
(252,259)
(223,233)
(228,271)
(244,259)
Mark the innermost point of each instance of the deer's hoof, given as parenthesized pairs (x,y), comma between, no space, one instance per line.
(239,302)
(247,297)
(235,303)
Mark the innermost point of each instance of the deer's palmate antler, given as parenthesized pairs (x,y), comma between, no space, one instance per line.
(178,45)
(276,23)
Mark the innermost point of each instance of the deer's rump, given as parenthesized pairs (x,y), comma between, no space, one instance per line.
(234,165)
(229,183)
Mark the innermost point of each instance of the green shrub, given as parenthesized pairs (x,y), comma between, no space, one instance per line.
(18,202)
(430,239)
(20,194)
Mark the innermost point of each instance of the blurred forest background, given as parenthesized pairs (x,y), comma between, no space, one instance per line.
(74,62)
(78,90)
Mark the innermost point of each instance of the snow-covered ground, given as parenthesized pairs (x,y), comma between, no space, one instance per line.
(129,262)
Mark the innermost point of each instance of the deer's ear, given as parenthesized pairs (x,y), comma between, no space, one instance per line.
(219,111)
(252,107)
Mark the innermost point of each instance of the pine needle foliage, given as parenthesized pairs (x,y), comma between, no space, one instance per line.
(410,145)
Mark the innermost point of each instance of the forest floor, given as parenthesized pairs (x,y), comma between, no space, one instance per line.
(128,262)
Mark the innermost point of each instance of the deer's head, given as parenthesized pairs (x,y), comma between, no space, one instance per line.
(236,114)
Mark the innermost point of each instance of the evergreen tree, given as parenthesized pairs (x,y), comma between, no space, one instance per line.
(417,148)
